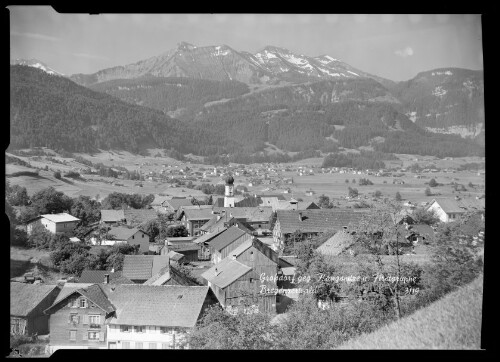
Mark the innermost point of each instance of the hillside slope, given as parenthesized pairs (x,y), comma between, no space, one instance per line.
(453,322)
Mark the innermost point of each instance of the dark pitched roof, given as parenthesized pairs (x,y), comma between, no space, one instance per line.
(198,213)
(123,233)
(205,238)
(316,220)
(227,237)
(25,297)
(250,214)
(337,243)
(177,203)
(93,292)
(167,273)
(166,306)
(97,276)
(112,215)
(259,245)
(139,216)
(143,267)
(225,272)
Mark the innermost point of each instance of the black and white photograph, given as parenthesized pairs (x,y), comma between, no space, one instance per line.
(245,181)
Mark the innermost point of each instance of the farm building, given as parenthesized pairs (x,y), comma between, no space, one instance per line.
(103,276)
(122,234)
(27,303)
(225,242)
(55,223)
(448,209)
(235,280)
(311,222)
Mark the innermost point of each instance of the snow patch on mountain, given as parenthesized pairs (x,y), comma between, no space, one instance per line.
(442,73)
(463,131)
(353,73)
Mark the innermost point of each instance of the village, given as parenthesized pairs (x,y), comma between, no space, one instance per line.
(228,246)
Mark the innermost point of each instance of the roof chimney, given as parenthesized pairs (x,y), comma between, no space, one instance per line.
(300,216)
(106,278)
(233,256)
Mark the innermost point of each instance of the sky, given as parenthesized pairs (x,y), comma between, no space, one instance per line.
(393,46)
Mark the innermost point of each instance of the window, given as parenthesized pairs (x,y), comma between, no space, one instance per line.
(94,319)
(138,345)
(142,236)
(74,318)
(93,336)
(140,329)
(152,346)
(83,303)
(125,345)
(133,236)
(163,330)
(72,335)
(125,329)
(165,346)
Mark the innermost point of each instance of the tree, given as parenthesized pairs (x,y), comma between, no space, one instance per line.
(48,201)
(377,194)
(86,209)
(174,231)
(17,196)
(353,192)
(398,196)
(57,175)
(324,202)
(346,181)
(471,185)
(433,183)
(428,192)
(39,237)
(423,216)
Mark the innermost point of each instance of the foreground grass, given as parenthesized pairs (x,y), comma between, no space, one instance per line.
(453,322)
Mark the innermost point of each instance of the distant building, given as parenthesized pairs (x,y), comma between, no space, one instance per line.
(448,209)
(122,234)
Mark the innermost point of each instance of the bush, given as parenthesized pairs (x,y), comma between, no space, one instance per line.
(57,175)
(378,194)
(364,182)
(433,183)
(428,192)
(353,192)
(398,196)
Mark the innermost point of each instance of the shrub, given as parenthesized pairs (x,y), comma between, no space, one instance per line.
(428,192)
(57,175)
(398,196)
(433,183)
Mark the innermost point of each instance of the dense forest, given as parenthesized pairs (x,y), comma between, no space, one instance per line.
(55,112)
(173,93)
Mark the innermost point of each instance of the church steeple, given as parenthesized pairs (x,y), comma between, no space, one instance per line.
(229,193)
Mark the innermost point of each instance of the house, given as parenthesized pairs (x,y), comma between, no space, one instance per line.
(227,241)
(337,244)
(451,209)
(188,250)
(27,303)
(311,222)
(194,218)
(103,276)
(254,217)
(99,316)
(223,222)
(122,234)
(403,217)
(236,279)
(169,275)
(139,268)
(78,317)
(175,203)
(203,241)
(55,223)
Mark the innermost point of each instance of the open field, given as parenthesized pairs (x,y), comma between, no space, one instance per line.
(453,322)
(32,260)
(332,185)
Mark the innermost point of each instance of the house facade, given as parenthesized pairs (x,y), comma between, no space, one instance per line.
(55,223)
(236,280)
(121,234)
(451,209)
(101,316)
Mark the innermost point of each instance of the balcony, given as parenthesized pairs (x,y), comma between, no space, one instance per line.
(95,326)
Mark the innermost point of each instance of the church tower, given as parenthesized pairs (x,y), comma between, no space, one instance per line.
(229,194)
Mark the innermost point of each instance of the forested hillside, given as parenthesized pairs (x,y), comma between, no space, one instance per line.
(171,94)
(53,111)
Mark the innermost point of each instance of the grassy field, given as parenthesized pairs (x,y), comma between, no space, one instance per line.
(32,260)
(453,322)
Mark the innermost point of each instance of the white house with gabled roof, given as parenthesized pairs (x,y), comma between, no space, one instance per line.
(55,223)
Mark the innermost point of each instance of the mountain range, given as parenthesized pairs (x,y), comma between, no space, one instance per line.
(293,101)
